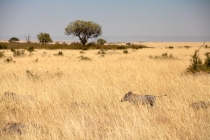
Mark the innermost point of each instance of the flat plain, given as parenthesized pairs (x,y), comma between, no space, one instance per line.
(66,97)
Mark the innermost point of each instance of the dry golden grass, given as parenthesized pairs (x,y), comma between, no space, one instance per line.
(69,98)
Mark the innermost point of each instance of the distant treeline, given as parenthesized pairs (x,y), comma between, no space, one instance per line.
(91,45)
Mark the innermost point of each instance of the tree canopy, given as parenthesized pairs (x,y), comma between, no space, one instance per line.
(13,39)
(84,30)
(44,38)
(101,41)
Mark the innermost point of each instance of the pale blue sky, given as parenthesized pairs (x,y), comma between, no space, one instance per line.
(125,18)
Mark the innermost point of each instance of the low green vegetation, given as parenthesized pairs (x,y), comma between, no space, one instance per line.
(163,56)
(73,45)
(30,50)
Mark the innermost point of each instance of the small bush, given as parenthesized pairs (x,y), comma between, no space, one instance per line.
(12,50)
(197,65)
(2,46)
(163,56)
(1,54)
(18,53)
(8,60)
(84,57)
(143,46)
(171,47)
(187,47)
(101,52)
(30,50)
(60,53)
(81,52)
(128,44)
(207,61)
(125,51)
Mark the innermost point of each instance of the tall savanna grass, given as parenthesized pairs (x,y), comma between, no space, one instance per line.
(65,97)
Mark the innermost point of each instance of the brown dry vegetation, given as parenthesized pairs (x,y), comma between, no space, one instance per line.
(64,97)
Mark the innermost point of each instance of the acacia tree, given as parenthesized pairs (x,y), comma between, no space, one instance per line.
(13,39)
(44,38)
(84,30)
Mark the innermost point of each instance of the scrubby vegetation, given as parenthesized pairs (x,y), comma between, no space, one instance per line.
(74,45)
(163,56)
(125,51)
(197,64)
(60,53)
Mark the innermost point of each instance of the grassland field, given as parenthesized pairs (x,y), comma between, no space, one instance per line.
(65,97)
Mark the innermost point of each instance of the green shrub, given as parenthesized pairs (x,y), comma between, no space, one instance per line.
(125,51)
(207,61)
(170,47)
(197,65)
(163,56)
(30,50)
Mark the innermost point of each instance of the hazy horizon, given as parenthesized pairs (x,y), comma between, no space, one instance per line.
(126,21)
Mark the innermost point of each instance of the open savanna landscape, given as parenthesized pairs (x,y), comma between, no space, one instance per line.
(73,94)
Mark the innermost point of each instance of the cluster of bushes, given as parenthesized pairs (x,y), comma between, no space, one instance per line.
(3,45)
(163,56)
